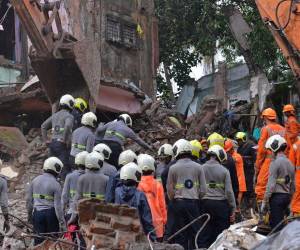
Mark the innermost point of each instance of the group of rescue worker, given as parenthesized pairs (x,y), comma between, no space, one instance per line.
(218,176)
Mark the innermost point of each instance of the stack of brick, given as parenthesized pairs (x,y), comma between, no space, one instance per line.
(114,227)
(109,226)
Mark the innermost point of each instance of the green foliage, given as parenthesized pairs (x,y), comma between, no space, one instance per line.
(192,29)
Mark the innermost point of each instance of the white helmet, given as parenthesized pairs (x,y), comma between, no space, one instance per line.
(182,146)
(219,152)
(103,149)
(127,119)
(67,100)
(165,150)
(146,162)
(275,142)
(54,164)
(126,157)
(89,119)
(80,158)
(131,172)
(94,160)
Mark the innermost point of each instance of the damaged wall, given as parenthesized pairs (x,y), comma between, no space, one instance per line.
(236,82)
(125,53)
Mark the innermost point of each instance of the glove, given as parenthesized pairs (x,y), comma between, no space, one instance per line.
(62,227)
(264,207)
(232,218)
(6,226)
(73,219)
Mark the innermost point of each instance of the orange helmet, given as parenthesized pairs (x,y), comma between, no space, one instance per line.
(269,114)
(288,108)
(228,145)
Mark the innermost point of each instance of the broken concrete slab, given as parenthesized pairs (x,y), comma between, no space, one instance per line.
(12,141)
(238,236)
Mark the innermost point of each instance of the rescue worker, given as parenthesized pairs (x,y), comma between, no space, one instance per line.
(229,148)
(125,157)
(107,169)
(83,138)
(197,151)
(70,185)
(4,202)
(291,123)
(281,182)
(92,184)
(62,125)
(154,193)
(165,154)
(217,139)
(295,159)
(44,201)
(264,156)
(185,187)
(128,194)
(68,197)
(219,201)
(80,107)
(116,133)
(248,153)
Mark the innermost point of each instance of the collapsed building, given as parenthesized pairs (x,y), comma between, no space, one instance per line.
(104,51)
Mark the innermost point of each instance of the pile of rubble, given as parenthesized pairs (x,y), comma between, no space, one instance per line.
(25,161)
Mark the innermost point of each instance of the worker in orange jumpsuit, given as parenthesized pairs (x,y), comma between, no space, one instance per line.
(291,123)
(294,157)
(154,192)
(264,156)
(239,165)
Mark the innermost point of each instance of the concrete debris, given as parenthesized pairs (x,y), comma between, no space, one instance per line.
(238,236)
(8,172)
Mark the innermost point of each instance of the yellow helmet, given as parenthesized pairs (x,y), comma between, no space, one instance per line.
(241,136)
(196,148)
(80,104)
(216,139)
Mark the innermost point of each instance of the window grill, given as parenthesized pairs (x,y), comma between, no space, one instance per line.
(113,30)
(129,35)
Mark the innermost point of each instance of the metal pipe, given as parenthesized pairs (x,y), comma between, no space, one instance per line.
(188,225)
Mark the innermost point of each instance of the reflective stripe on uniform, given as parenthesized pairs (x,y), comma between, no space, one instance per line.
(215,185)
(60,130)
(72,192)
(181,186)
(281,181)
(43,197)
(297,167)
(115,133)
(93,195)
(272,132)
(79,146)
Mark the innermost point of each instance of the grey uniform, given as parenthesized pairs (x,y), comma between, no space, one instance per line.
(118,131)
(281,177)
(108,169)
(3,195)
(45,193)
(69,190)
(160,168)
(61,124)
(218,182)
(92,184)
(83,139)
(186,180)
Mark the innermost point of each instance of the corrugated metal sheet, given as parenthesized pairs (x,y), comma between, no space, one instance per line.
(8,75)
(185,98)
(237,88)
